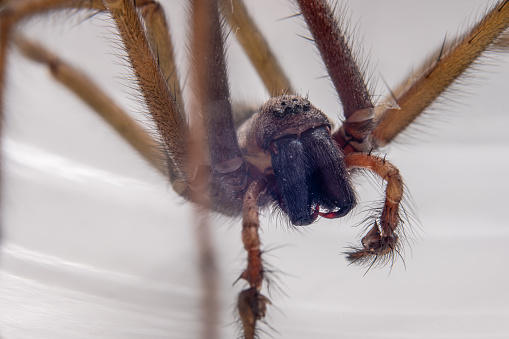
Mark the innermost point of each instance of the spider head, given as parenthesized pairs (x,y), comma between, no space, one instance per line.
(290,140)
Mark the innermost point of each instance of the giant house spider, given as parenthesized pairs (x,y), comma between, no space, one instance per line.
(95,243)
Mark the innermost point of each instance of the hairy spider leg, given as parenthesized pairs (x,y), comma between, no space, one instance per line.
(422,87)
(382,239)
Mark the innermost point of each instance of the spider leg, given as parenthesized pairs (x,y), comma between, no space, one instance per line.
(207,152)
(13,12)
(251,304)
(160,41)
(86,90)
(93,96)
(425,85)
(160,104)
(344,72)
(259,53)
(213,99)
(382,239)
(256,47)
(205,21)
(211,88)
(161,45)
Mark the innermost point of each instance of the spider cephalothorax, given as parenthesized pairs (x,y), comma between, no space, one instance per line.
(289,142)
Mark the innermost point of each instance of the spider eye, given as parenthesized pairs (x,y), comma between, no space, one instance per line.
(310,175)
(292,106)
(279,113)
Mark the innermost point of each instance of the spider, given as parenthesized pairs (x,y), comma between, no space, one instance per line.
(322,225)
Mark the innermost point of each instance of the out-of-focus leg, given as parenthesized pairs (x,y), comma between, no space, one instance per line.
(93,96)
(256,47)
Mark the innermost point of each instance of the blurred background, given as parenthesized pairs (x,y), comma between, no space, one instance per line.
(96,244)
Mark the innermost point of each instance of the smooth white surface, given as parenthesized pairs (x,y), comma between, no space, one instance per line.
(97,246)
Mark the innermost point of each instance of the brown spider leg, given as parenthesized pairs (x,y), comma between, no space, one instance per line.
(13,12)
(92,95)
(382,238)
(89,92)
(256,48)
(211,87)
(422,87)
(343,70)
(161,45)
(159,37)
(200,15)
(259,53)
(10,14)
(211,121)
(251,304)
(185,147)
(160,104)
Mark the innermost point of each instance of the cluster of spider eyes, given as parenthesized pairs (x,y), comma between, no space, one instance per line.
(291,108)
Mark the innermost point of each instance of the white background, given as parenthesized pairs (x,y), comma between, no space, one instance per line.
(96,245)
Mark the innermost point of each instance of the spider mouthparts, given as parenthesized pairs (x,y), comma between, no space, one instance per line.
(341,212)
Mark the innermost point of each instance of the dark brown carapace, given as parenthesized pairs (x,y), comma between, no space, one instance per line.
(286,153)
